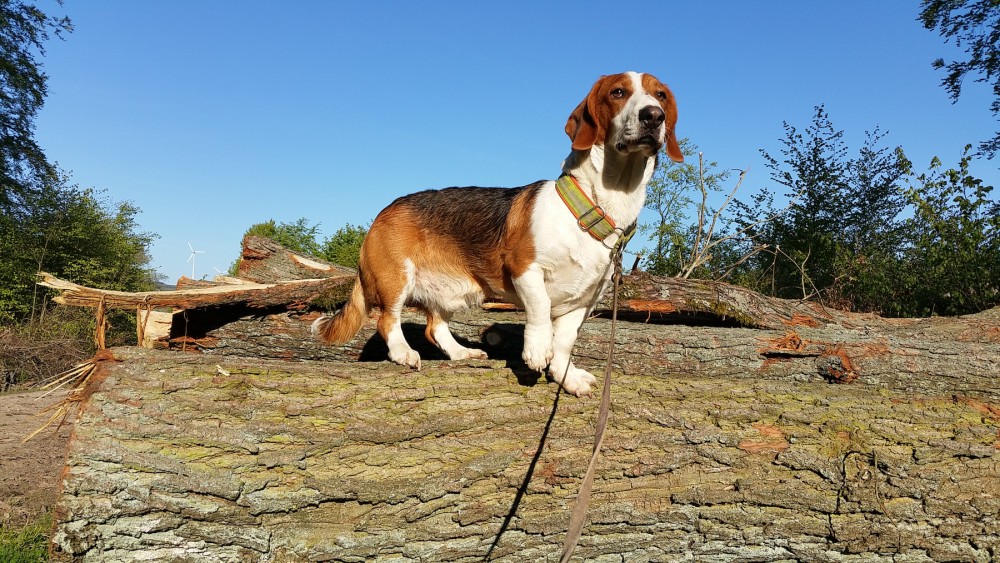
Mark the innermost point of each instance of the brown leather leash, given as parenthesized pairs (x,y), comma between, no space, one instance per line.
(579,514)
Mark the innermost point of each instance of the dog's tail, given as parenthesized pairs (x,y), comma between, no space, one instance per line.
(341,327)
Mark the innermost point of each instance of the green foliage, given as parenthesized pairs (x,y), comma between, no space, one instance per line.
(814,172)
(75,235)
(344,246)
(29,544)
(974,25)
(945,257)
(47,224)
(23,166)
(952,259)
(839,208)
(299,236)
(669,195)
(868,234)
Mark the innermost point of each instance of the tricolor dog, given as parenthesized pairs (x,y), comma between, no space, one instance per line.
(545,246)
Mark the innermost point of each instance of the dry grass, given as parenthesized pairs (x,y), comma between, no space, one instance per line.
(77,377)
(31,352)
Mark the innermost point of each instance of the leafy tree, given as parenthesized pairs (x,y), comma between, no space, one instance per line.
(344,246)
(866,233)
(814,173)
(974,24)
(669,195)
(841,209)
(48,224)
(73,234)
(952,261)
(872,233)
(946,258)
(23,166)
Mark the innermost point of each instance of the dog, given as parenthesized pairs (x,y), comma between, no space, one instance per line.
(445,250)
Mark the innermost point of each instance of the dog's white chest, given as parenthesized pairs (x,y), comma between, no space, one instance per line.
(576,267)
(579,285)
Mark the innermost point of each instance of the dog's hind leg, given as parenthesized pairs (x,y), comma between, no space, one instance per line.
(438,333)
(389,326)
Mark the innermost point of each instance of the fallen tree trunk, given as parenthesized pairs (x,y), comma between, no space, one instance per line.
(936,356)
(295,294)
(661,297)
(194,457)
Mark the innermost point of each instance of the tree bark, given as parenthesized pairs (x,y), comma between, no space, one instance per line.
(651,297)
(725,444)
(935,356)
(743,429)
(293,294)
(265,261)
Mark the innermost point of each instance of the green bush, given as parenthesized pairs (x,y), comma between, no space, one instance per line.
(29,544)
(342,247)
(952,256)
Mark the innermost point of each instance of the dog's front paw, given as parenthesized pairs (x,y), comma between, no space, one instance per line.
(406,357)
(578,381)
(537,355)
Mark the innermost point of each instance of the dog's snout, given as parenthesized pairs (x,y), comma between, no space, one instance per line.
(651,116)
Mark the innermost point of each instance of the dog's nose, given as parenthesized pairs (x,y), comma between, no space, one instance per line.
(651,116)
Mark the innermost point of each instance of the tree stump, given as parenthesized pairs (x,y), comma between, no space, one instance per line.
(859,439)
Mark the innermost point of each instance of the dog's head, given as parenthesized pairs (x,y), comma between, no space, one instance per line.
(627,112)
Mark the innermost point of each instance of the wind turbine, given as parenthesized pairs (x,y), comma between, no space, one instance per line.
(192,257)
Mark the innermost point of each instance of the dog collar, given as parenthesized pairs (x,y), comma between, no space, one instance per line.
(590,217)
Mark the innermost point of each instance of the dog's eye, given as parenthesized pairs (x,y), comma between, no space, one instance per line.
(618,93)
(661,95)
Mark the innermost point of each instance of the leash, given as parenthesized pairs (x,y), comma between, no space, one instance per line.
(600,226)
(579,514)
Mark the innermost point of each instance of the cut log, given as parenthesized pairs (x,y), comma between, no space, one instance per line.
(266,268)
(647,297)
(651,297)
(218,458)
(266,261)
(289,295)
(152,326)
(792,339)
(274,279)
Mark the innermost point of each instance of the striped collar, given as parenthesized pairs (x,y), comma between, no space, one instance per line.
(590,217)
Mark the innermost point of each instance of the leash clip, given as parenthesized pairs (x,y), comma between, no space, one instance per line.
(624,235)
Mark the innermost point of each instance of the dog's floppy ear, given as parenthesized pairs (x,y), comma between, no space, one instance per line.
(581,126)
(673,149)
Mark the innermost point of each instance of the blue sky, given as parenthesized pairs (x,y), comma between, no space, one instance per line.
(212,116)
